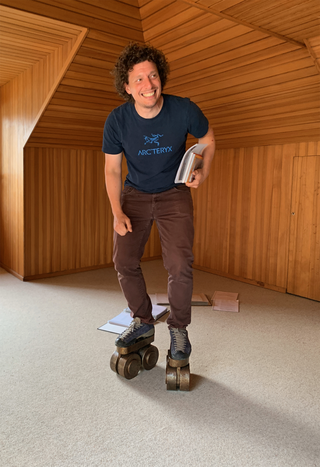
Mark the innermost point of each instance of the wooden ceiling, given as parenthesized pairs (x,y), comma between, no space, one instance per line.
(250,65)
(25,39)
(256,85)
(294,19)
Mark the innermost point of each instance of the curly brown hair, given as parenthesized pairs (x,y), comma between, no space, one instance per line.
(135,53)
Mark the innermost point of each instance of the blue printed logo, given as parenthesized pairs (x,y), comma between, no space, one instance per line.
(152,139)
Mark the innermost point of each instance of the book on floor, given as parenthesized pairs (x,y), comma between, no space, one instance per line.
(191,161)
(124,319)
(225,301)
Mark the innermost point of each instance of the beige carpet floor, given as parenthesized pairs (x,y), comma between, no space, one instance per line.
(255,388)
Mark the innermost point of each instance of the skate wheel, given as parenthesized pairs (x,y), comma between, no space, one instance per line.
(178,378)
(184,379)
(114,361)
(129,365)
(149,356)
(171,378)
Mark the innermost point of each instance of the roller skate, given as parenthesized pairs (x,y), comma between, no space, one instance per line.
(178,370)
(133,350)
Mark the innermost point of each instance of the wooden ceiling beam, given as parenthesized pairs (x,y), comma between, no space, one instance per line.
(313,55)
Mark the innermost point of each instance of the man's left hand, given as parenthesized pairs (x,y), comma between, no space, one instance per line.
(198,178)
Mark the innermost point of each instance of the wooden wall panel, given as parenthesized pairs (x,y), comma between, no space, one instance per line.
(242,213)
(76,116)
(69,223)
(251,73)
(304,243)
(21,100)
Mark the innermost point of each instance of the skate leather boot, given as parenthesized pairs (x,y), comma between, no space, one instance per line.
(178,370)
(133,350)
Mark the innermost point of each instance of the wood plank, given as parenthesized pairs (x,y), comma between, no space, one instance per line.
(15,33)
(249,63)
(89,61)
(253,184)
(266,104)
(219,5)
(47,9)
(93,75)
(225,35)
(153,7)
(22,17)
(21,99)
(122,7)
(27,40)
(105,14)
(293,136)
(283,120)
(199,36)
(89,103)
(245,23)
(117,43)
(74,113)
(265,79)
(244,8)
(97,55)
(106,48)
(85,84)
(47,47)
(301,14)
(313,55)
(223,46)
(143,2)
(269,87)
(55,84)
(172,22)
(195,24)
(259,10)
(66,185)
(304,245)
(309,110)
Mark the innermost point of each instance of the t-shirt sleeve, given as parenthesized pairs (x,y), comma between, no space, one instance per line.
(111,136)
(198,124)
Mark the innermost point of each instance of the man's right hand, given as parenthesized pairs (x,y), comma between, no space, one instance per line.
(122,224)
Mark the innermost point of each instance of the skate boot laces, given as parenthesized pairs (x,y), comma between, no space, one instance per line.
(136,330)
(180,344)
(134,326)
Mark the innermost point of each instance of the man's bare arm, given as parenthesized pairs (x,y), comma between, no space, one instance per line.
(201,174)
(113,178)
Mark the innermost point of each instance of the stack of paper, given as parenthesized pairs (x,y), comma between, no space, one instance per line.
(123,320)
(191,161)
(225,301)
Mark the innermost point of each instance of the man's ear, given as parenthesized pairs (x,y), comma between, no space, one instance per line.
(127,88)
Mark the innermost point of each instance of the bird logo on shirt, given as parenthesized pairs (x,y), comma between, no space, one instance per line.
(153,139)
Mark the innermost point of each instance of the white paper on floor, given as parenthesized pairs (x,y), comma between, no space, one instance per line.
(123,319)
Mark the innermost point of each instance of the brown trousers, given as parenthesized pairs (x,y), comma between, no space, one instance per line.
(173,212)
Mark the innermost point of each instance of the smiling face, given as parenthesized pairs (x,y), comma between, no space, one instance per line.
(145,87)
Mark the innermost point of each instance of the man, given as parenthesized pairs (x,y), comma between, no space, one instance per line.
(151,130)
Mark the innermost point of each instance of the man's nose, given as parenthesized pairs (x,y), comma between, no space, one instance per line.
(149,83)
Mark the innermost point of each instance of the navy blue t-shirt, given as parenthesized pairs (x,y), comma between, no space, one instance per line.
(153,147)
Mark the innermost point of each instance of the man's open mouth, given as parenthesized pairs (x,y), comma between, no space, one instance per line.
(149,94)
